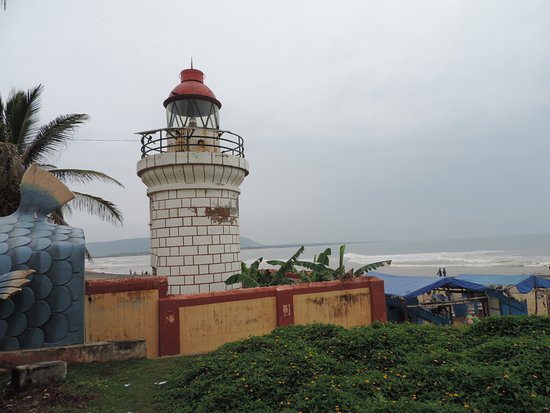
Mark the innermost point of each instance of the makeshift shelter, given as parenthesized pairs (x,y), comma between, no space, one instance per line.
(524,283)
(443,299)
(411,286)
(532,289)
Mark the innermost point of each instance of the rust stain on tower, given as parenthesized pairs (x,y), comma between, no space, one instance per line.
(221,215)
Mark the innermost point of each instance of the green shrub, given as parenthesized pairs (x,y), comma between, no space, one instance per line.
(511,326)
(497,365)
(317,270)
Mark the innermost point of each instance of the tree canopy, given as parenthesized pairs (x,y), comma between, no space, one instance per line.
(24,142)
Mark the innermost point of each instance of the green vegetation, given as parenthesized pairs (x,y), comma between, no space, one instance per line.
(498,365)
(288,273)
(23,142)
(97,388)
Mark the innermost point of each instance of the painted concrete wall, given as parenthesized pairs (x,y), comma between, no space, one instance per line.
(124,310)
(123,316)
(206,327)
(139,308)
(348,308)
(195,324)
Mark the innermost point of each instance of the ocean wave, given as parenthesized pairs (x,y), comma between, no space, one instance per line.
(468,259)
(447,259)
(120,265)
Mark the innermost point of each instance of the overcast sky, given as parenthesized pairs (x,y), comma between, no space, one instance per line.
(362,120)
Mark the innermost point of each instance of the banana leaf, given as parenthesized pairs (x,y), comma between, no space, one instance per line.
(324,257)
(372,266)
(280,277)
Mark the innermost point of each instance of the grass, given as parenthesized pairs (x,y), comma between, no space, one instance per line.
(100,387)
(499,364)
(120,387)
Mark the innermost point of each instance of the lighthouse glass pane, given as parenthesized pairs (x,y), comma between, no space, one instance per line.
(192,113)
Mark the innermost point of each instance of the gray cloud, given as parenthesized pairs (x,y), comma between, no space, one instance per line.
(362,120)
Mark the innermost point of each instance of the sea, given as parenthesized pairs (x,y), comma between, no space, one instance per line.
(519,254)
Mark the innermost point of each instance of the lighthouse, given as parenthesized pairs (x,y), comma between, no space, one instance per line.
(193,171)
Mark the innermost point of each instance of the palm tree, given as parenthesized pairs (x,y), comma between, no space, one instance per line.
(23,142)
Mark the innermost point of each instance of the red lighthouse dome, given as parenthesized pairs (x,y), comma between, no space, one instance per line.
(192,103)
(192,86)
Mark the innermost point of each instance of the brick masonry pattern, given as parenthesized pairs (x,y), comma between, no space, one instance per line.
(195,238)
(194,221)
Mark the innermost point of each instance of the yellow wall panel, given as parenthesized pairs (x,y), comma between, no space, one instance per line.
(123,316)
(347,308)
(206,327)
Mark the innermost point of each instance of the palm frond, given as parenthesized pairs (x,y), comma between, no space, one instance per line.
(82,176)
(57,217)
(52,136)
(20,115)
(46,166)
(103,209)
(67,210)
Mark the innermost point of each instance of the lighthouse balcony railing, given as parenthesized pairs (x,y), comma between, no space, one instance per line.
(190,140)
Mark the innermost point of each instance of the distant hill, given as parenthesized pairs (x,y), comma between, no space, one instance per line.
(139,246)
(133,246)
(248,243)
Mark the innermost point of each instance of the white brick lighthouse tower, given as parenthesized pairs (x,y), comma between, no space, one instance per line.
(193,171)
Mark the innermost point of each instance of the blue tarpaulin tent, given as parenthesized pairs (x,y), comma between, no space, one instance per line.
(411,286)
(524,283)
(402,292)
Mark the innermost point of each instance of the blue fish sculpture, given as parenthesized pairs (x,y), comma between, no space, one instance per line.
(41,269)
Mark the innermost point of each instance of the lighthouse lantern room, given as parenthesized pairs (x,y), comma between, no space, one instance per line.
(192,103)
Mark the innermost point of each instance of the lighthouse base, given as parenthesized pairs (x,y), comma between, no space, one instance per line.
(194,210)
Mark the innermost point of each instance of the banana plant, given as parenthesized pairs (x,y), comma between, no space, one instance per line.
(285,267)
(248,277)
(315,271)
(320,271)
(253,276)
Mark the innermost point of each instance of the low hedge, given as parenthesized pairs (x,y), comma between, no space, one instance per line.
(500,364)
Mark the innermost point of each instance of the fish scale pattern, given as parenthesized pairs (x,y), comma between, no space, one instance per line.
(49,311)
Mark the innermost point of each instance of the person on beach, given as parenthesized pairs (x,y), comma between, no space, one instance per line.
(444,272)
(439,273)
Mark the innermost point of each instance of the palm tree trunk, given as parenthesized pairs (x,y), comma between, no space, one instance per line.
(11,171)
